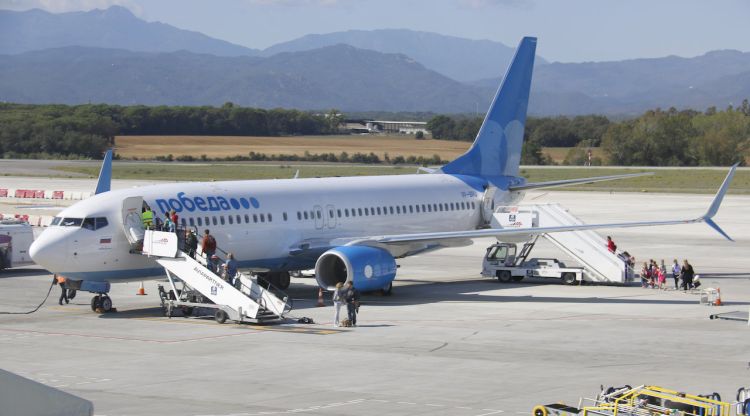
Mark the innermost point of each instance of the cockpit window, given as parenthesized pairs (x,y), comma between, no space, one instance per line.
(101,222)
(94,223)
(71,222)
(89,224)
(55,221)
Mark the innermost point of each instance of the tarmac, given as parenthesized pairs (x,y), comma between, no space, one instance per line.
(447,342)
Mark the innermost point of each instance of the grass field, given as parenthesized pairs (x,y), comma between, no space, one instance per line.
(690,180)
(148,147)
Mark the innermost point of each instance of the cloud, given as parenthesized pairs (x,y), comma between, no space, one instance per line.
(61,6)
(481,4)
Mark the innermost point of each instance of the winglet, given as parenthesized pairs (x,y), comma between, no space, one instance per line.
(105,174)
(714,208)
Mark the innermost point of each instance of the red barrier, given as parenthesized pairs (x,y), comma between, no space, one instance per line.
(29,193)
(20,193)
(57,194)
(38,194)
(3,193)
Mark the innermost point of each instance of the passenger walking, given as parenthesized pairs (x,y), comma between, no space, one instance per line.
(645,276)
(173,217)
(191,243)
(611,246)
(168,225)
(676,274)
(231,265)
(338,301)
(208,249)
(687,275)
(662,277)
(352,302)
(63,282)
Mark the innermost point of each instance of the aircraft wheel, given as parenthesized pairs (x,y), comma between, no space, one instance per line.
(388,290)
(95,303)
(220,316)
(569,278)
(106,303)
(517,278)
(284,280)
(503,276)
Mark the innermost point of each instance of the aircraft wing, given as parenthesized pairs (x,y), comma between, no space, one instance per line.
(569,182)
(445,238)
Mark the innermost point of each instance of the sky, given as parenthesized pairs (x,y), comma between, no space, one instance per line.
(568,30)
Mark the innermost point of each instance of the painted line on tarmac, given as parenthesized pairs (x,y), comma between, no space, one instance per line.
(288,329)
(154,341)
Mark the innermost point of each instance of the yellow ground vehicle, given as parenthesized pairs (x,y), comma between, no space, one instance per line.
(641,401)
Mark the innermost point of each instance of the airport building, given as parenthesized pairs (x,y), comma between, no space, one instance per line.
(387,127)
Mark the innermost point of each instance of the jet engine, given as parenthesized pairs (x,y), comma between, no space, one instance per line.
(368,268)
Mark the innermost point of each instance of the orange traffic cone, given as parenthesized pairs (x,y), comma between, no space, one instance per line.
(718,297)
(141,290)
(321,302)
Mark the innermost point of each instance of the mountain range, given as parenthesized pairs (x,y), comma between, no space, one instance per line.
(113,56)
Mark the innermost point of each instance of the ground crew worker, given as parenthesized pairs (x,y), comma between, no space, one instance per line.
(147,216)
(62,281)
(351,297)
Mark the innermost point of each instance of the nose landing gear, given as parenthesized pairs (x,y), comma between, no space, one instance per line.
(101,302)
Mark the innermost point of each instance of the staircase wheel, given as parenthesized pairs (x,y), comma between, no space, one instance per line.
(539,411)
(569,278)
(503,276)
(220,316)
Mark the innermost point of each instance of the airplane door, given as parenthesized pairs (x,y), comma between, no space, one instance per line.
(318,214)
(331,216)
(131,222)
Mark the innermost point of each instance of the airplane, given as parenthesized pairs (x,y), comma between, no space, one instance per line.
(346,228)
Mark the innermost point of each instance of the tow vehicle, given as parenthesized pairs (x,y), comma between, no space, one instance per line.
(16,237)
(507,264)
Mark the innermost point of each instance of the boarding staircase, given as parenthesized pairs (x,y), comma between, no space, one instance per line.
(245,301)
(587,247)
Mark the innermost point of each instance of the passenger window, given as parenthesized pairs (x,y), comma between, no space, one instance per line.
(200,222)
(192,222)
(299,216)
(221,218)
(330,213)
(247,219)
(305,214)
(89,224)
(208,221)
(214,220)
(338,211)
(284,215)
(239,219)
(359,210)
(229,217)
(379,211)
(270,218)
(398,209)
(367,211)
(262,218)
(255,217)
(319,215)
(346,212)
(391,210)
(411,209)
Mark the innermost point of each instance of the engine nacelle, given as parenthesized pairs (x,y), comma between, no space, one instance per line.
(368,268)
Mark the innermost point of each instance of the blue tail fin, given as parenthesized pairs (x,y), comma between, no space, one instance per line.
(105,174)
(497,148)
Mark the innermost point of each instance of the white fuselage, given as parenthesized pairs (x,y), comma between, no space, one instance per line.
(271,224)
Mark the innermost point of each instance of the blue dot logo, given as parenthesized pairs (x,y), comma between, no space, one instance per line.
(235,203)
(245,203)
(254,202)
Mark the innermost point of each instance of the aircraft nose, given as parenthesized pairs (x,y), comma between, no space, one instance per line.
(46,253)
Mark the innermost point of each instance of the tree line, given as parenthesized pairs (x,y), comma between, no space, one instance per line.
(64,131)
(656,138)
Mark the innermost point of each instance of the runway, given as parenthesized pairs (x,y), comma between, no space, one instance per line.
(448,342)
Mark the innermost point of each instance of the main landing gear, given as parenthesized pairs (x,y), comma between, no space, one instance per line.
(101,301)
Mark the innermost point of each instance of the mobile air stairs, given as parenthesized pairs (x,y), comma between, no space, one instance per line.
(245,301)
(587,247)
